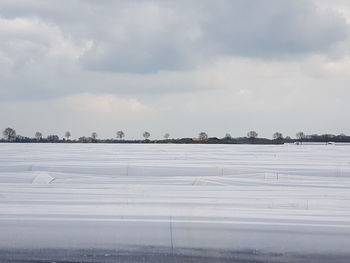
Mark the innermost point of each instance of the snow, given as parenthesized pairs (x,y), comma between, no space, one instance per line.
(270,199)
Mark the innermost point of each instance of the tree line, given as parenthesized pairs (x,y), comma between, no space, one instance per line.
(10,135)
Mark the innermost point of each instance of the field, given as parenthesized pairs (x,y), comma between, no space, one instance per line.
(244,203)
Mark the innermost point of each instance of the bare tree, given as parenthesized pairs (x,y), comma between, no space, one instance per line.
(252,134)
(228,136)
(94,135)
(38,136)
(277,136)
(300,136)
(20,137)
(327,137)
(166,136)
(9,134)
(120,135)
(67,135)
(85,139)
(53,138)
(146,135)
(203,136)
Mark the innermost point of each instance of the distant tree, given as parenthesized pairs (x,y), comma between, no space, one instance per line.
(252,135)
(94,135)
(300,136)
(288,138)
(20,138)
(327,137)
(146,135)
(9,134)
(203,136)
(277,136)
(314,137)
(53,138)
(228,136)
(166,136)
(343,138)
(120,135)
(38,136)
(67,135)
(85,139)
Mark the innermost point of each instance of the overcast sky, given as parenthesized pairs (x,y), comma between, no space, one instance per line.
(184,66)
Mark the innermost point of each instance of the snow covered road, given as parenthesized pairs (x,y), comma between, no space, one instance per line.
(280,200)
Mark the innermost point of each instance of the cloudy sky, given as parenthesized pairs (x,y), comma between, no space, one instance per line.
(184,66)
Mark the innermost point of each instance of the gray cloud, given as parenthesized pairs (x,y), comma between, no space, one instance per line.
(273,28)
(161,35)
(174,66)
(151,36)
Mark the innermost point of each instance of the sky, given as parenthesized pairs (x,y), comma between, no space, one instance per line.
(178,67)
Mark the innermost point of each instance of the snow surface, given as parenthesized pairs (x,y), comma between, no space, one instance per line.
(268,199)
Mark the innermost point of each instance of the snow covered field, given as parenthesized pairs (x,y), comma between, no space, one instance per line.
(244,202)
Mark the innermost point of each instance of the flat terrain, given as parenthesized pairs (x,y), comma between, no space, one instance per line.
(174,203)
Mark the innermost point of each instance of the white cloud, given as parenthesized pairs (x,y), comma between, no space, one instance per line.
(103,104)
(28,41)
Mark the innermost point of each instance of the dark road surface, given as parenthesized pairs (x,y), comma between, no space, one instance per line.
(157,255)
